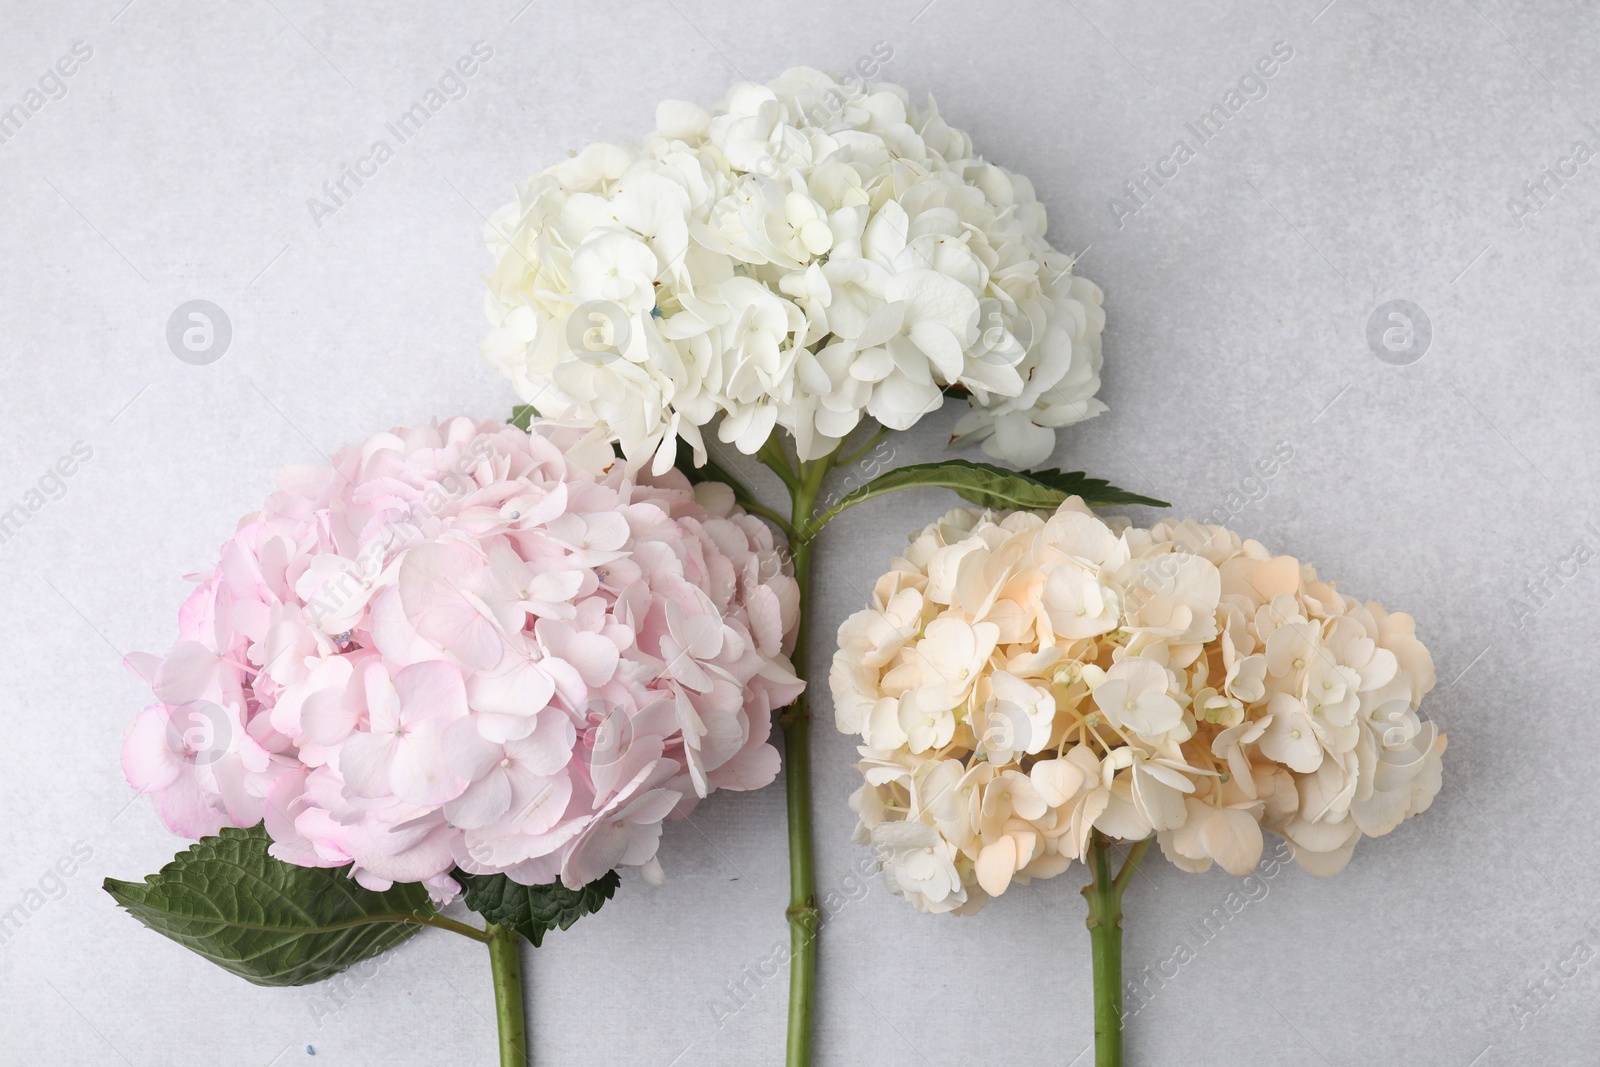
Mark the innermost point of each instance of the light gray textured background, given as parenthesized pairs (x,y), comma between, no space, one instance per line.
(1378,166)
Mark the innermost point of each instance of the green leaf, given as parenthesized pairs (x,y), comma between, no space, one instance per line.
(1096,492)
(534,910)
(267,921)
(989,486)
(522,416)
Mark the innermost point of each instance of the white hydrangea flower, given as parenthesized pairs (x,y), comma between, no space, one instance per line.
(804,255)
(1019,682)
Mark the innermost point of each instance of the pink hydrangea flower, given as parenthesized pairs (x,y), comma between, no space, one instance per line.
(467,646)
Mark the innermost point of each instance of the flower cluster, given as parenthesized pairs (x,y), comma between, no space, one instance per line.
(805,253)
(468,646)
(1021,681)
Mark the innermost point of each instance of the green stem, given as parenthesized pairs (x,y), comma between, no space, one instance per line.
(858,453)
(464,929)
(803,916)
(408,918)
(773,455)
(1104,894)
(1130,865)
(505,962)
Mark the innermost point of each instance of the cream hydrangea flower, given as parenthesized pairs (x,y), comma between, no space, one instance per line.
(1020,681)
(806,254)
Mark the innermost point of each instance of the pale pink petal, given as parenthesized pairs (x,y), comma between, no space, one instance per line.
(144,664)
(594,657)
(365,760)
(189,811)
(755,767)
(548,748)
(766,620)
(186,673)
(517,685)
(419,772)
(359,672)
(483,802)
(467,752)
(541,803)
(393,634)
(434,586)
(432,690)
(327,717)
(598,850)
(149,761)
